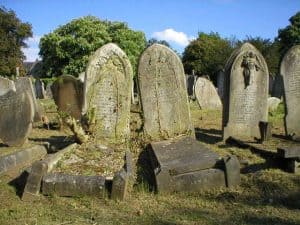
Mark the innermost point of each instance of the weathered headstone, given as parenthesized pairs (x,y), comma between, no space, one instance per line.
(190,85)
(17,112)
(163,94)
(107,93)
(48,91)
(273,103)
(271,83)
(245,93)
(290,71)
(23,84)
(206,94)
(220,83)
(68,95)
(277,88)
(39,89)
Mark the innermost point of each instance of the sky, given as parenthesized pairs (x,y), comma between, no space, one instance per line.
(176,21)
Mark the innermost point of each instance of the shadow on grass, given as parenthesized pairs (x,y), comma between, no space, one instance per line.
(208,136)
(19,183)
(56,142)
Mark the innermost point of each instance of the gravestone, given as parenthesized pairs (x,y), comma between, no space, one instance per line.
(17,112)
(163,94)
(277,88)
(23,84)
(271,83)
(206,94)
(220,83)
(6,85)
(68,95)
(39,89)
(107,93)
(290,71)
(273,103)
(190,83)
(245,93)
(48,91)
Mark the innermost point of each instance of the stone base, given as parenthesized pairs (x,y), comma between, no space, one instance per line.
(185,164)
(71,185)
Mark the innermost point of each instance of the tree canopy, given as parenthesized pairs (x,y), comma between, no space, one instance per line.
(207,54)
(66,50)
(13,33)
(290,35)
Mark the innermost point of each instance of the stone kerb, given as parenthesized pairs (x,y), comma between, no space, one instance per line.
(163,94)
(107,93)
(245,93)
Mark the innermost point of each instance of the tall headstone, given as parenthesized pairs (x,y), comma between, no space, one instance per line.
(17,112)
(271,83)
(39,89)
(220,83)
(163,94)
(290,71)
(23,84)
(206,94)
(245,93)
(68,95)
(190,83)
(107,93)
(277,87)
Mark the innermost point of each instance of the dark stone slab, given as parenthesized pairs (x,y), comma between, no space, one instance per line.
(33,184)
(72,185)
(182,155)
(289,152)
(190,182)
(293,165)
(232,171)
(21,158)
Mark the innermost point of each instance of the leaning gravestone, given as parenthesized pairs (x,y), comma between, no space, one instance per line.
(290,71)
(163,94)
(23,84)
(245,93)
(68,95)
(17,112)
(206,94)
(190,83)
(220,83)
(39,89)
(107,93)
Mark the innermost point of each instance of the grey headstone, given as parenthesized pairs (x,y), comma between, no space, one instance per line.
(289,152)
(290,71)
(206,94)
(271,83)
(68,95)
(232,171)
(120,185)
(34,180)
(163,94)
(48,91)
(17,112)
(72,185)
(107,93)
(220,83)
(273,103)
(6,85)
(190,84)
(23,84)
(245,93)
(39,89)
(277,88)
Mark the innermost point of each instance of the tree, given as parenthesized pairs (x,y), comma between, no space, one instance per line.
(206,55)
(290,35)
(13,34)
(155,41)
(67,49)
(269,49)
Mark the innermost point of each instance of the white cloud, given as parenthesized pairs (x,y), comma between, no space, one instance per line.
(172,35)
(32,52)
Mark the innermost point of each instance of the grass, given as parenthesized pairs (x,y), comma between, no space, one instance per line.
(266,195)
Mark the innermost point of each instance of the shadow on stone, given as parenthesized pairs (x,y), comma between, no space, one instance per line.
(55,142)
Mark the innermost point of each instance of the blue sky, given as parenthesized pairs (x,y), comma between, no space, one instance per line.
(176,21)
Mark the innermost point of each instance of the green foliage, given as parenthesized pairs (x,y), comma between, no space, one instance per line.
(269,49)
(155,41)
(207,54)
(67,49)
(12,36)
(290,35)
